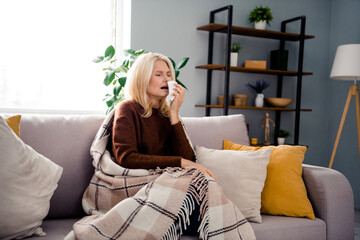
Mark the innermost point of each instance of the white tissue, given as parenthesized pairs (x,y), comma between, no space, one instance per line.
(170,97)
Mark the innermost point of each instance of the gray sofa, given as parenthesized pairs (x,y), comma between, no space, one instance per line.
(66,140)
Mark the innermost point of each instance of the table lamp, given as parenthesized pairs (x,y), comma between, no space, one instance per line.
(346,67)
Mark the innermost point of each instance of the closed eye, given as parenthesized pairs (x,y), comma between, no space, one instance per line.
(159,74)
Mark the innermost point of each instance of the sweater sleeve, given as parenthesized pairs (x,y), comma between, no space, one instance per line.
(124,143)
(180,143)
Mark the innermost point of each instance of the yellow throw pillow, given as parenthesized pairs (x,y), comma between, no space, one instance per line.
(284,192)
(14,123)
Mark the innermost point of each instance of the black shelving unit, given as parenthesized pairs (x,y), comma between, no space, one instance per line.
(283,36)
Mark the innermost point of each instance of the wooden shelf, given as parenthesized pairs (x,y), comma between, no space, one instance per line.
(256,108)
(251,70)
(282,36)
(252,32)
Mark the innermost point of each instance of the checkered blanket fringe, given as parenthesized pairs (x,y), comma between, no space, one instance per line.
(152,204)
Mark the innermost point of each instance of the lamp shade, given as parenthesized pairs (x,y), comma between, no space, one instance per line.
(346,64)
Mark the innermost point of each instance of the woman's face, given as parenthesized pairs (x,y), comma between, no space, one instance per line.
(158,87)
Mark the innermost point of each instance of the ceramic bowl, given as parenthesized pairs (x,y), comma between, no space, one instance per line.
(279,102)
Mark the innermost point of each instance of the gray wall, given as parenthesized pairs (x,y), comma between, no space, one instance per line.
(345,29)
(169,27)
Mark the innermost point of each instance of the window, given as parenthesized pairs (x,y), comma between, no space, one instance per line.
(47,48)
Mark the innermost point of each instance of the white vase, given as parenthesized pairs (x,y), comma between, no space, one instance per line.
(260,25)
(280,141)
(259,100)
(234,59)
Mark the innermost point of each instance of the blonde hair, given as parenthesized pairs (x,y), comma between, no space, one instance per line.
(138,79)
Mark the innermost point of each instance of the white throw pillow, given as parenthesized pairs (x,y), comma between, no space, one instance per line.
(27,182)
(211,131)
(241,174)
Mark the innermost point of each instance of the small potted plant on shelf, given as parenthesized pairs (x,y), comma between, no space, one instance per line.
(260,16)
(259,87)
(234,56)
(281,135)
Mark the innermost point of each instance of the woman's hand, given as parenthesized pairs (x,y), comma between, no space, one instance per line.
(187,163)
(179,93)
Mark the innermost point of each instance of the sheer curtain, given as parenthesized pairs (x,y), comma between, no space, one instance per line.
(46,53)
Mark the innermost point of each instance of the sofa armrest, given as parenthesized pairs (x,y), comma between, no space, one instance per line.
(332,199)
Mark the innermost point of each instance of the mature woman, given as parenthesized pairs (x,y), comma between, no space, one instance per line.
(147,132)
(127,202)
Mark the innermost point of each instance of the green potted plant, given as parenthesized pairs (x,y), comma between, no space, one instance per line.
(281,135)
(260,16)
(259,87)
(234,56)
(115,73)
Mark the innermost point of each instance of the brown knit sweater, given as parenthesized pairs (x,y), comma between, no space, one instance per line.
(147,143)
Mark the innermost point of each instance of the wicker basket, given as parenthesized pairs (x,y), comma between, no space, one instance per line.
(240,100)
(220,100)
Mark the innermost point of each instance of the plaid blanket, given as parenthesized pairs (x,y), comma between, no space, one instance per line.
(152,204)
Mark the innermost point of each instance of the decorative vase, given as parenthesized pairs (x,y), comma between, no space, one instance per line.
(259,100)
(260,25)
(280,141)
(234,59)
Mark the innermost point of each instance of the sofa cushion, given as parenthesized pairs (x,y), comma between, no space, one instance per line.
(285,228)
(241,174)
(27,182)
(66,140)
(211,131)
(57,228)
(272,227)
(289,228)
(284,192)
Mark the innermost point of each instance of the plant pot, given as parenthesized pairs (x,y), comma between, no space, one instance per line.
(260,25)
(280,141)
(234,59)
(253,141)
(259,100)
